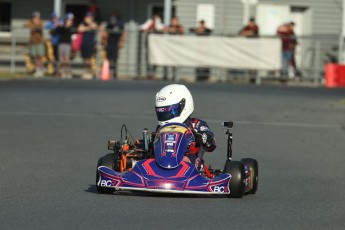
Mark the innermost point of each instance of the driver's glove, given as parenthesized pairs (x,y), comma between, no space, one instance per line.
(206,141)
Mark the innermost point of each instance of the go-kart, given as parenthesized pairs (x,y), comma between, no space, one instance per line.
(161,166)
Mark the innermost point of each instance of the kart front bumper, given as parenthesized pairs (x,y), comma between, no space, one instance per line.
(135,181)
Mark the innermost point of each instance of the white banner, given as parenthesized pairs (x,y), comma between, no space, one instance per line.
(205,51)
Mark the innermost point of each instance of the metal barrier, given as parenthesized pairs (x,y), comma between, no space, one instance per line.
(312,53)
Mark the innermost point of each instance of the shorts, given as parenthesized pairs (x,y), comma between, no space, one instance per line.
(112,53)
(37,50)
(87,50)
(64,51)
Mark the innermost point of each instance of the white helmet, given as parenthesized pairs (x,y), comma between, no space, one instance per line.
(174,103)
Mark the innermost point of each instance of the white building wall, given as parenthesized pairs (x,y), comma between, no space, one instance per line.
(229,14)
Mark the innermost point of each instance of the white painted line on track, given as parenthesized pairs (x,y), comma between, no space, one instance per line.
(145,117)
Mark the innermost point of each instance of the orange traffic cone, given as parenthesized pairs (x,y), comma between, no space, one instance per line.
(105,72)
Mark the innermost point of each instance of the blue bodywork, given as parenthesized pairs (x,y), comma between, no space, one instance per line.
(167,172)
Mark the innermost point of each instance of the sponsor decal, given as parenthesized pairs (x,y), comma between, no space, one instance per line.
(204,128)
(170,138)
(160,110)
(106,183)
(169,150)
(160,99)
(218,189)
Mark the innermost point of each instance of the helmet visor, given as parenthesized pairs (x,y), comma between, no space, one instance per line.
(169,112)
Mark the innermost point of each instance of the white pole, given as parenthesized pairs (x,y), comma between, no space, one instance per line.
(57,7)
(167,12)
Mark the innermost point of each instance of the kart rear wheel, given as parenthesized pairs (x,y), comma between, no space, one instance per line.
(253,165)
(109,161)
(237,171)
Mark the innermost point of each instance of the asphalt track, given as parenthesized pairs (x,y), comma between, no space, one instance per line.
(53,132)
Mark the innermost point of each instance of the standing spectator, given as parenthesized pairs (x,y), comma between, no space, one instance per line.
(294,46)
(37,49)
(201,30)
(251,30)
(175,28)
(114,38)
(285,33)
(64,48)
(88,28)
(202,74)
(51,26)
(152,25)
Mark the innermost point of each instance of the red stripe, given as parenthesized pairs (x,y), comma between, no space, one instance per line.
(147,166)
(195,121)
(183,170)
(208,173)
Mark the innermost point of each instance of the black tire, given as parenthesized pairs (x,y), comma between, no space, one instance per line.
(252,163)
(236,185)
(107,161)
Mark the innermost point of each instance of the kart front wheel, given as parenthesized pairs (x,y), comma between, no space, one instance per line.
(107,161)
(237,171)
(253,166)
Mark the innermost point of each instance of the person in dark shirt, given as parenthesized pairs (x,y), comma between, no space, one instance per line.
(114,38)
(286,34)
(88,27)
(251,30)
(201,30)
(64,46)
(174,104)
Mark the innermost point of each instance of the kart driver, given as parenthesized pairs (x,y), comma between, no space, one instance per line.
(174,103)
